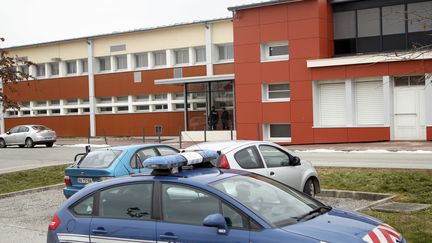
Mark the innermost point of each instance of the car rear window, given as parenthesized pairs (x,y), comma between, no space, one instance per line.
(99,159)
(40,128)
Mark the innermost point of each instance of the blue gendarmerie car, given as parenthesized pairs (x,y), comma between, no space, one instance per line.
(186,199)
(106,163)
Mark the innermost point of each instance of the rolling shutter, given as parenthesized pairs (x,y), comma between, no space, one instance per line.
(369,102)
(332,104)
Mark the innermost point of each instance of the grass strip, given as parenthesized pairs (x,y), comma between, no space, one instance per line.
(28,179)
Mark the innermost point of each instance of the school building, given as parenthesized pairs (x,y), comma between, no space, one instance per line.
(289,71)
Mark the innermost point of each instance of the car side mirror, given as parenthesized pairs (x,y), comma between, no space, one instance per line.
(295,161)
(218,221)
(8,132)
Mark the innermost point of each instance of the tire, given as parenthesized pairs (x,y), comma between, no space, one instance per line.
(29,143)
(21,145)
(2,143)
(309,187)
(49,145)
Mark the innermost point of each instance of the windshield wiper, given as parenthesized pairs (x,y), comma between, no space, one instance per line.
(319,210)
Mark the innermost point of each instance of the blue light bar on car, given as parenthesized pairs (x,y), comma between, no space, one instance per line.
(181,159)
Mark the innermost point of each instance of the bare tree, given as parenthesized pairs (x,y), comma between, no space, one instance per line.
(10,74)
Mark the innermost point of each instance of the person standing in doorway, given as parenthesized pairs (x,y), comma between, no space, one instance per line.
(225,119)
(213,118)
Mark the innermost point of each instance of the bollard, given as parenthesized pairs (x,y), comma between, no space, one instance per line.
(88,137)
(180,138)
(143,135)
(258,132)
(106,142)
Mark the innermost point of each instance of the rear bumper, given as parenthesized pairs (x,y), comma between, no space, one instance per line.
(69,191)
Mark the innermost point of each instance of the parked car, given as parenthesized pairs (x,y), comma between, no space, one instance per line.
(28,136)
(199,204)
(110,162)
(267,159)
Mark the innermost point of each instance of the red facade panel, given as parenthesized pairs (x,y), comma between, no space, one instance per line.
(368,134)
(276,112)
(330,135)
(301,90)
(247,35)
(273,32)
(273,14)
(65,126)
(302,133)
(247,73)
(248,53)
(301,111)
(429,133)
(223,69)
(133,124)
(48,89)
(249,131)
(248,93)
(275,72)
(250,112)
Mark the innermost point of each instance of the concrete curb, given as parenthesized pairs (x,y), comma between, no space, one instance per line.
(28,191)
(378,198)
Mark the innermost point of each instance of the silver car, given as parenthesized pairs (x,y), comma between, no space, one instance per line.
(28,136)
(265,158)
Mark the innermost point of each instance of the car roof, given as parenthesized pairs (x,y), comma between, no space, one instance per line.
(224,146)
(132,146)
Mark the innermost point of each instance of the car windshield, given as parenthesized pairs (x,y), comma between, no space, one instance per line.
(40,128)
(99,159)
(270,200)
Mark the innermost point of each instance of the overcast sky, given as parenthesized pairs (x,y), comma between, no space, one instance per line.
(34,21)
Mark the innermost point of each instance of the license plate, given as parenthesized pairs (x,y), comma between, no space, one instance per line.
(84,180)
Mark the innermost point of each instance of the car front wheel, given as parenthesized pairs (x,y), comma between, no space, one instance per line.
(29,143)
(2,143)
(49,145)
(309,187)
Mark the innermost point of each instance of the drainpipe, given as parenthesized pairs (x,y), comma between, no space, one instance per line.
(92,99)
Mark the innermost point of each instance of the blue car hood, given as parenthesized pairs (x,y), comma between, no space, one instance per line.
(345,226)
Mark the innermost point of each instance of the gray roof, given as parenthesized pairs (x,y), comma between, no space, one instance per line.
(119,33)
(261,4)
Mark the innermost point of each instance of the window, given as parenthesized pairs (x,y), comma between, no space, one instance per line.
(126,202)
(249,158)
(277,131)
(14,130)
(274,157)
(72,101)
(181,56)
(141,98)
(122,109)
(359,29)
(84,207)
(12,113)
(142,108)
(332,104)
(274,51)
(160,58)
(141,60)
(85,101)
(71,67)
(140,156)
(72,111)
(23,129)
(84,63)
(104,100)
(161,107)
(179,106)
(409,80)
(104,64)
(55,111)
(122,99)
(276,92)
(105,109)
(369,102)
(159,96)
(40,103)
(226,52)
(54,67)
(86,110)
(40,70)
(54,102)
(41,112)
(99,158)
(25,104)
(121,62)
(24,69)
(26,113)
(163,150)
(200,54)
(178,96)
(187,205)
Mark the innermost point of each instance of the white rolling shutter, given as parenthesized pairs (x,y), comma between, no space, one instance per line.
(369,103)
(332,104)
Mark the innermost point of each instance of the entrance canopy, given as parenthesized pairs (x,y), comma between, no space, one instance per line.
(199,79)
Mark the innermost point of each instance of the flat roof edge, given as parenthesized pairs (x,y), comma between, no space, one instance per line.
(261,4)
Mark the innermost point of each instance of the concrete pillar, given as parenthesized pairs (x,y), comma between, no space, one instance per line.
(151,60)
(388,104)
(92,98)
(428,95)
(131,62)
(192,56)
(349,103)
(170,58)
(209,48)
(62,69)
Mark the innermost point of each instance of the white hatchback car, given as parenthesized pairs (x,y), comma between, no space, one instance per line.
(28,136)
(265,158)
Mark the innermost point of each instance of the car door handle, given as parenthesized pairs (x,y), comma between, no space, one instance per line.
(272,173)
(99,231)
(168,237)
